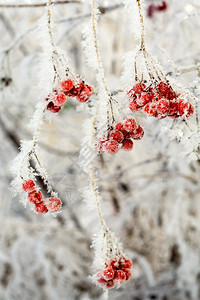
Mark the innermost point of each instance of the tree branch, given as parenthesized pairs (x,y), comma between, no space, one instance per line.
(38,4)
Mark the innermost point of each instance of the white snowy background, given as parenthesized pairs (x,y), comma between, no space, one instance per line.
(150,196)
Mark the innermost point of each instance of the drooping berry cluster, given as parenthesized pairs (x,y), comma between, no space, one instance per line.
(35,197)
(159,101)
(152,8)
(115,273)
(122,134)
(69,88)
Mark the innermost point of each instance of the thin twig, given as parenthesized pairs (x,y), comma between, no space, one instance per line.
(39,4)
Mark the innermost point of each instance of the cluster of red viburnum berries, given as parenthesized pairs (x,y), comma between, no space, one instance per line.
(156,8)
(123,133)
(159,102)
(81,91)
(115,273)
(35,196)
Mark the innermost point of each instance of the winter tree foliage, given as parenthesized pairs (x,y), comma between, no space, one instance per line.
(100,151)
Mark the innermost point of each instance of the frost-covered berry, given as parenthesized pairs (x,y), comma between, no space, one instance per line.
(119,126)
(144,98)
(67,85)
(85,93)
(54,204)
(130,125)
(53,108)
(127,145)
(112,146)
(162,106)
(28,185)
(128,273)
(127,264)
(133,106)
(138,88)
(138,133)
(108,273)
(102,281)
(59,99)
(150,109)
(41,208)
(130,94)
(110,284)
(163,88)
(117,136)
(120,276)
(35,197)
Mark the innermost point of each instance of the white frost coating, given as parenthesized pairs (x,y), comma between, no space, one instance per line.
(131,9)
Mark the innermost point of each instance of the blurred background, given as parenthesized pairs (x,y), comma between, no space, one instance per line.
(151,196)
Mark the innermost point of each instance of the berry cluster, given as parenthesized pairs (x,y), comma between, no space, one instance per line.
(115,273)
(57,99)
(123,133)
(159,101)
(156,8)
(35,197)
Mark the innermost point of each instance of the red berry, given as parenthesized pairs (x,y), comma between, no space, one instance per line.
(28,185)
(138,88)
(133,106)
(54,204)
(35,197)
(127,145)
(162,6)
(59,99)
(150,11)
(130,94)
(85,93)
(117,136)
(112,147)
(130,125)
(127,264)
(41,208)
(110,284)
(67,85)
(119,126)
(128,273)
(108,273)
(163,88)
(173,108)
(144,99)
(101,281)
(171,95)
(162,106)
(53,108)
(120,276)
(113,264)
(150,109)
(138,133)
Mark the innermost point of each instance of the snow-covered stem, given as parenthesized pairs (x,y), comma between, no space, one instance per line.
(141,24)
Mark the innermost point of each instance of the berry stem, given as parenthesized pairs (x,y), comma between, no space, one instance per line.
(142,25)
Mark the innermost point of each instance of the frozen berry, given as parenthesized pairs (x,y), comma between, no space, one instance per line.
(117,136)
(162,106)
(112,146)
(59,99)
(101,280)
(85,93)
(130,125)
(138,88)
(133,106)
(130,94)
(127,145)
(127,264)
(35,197)
(28,185)
(144,99)
(120,276)
(128,273)
(163,88)
(54,204)
(110,284)
(138,133)
(108,273)
(119,126)
(67,85)
(53,108)
(150,109)
(41,208)
(163,6)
